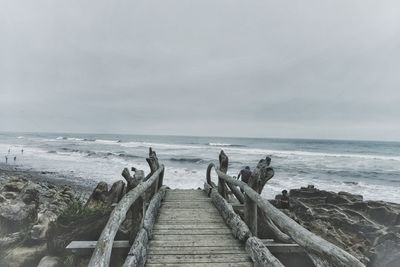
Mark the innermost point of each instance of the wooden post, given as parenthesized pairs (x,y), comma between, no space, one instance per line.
(250,214)
(136,211)
(259,176)
(223,167)
(152,160)
(161,179)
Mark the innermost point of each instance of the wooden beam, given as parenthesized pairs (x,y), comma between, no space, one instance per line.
(239,228)
(152,211)
(260,254)
(138,252)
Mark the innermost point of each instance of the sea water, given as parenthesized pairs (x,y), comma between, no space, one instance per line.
(369,168)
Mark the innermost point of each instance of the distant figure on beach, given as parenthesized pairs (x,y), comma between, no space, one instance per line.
(9,150)
(6,159)
(22,151)
(285,200)
(15,159)
(245,174)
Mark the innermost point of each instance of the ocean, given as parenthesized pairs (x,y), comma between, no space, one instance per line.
(369,168)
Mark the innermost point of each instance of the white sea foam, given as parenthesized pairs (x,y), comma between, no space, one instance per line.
(104,141)
(287,153)
(158,145)
(75,139)
(219,144)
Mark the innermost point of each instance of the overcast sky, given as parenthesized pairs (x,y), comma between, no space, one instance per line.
(307,69)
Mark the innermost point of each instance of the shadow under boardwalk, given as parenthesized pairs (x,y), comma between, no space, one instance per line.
(190,232)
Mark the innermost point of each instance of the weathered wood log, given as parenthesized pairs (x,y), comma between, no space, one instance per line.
(208,176)
(260,254)
(318,261)
(152,211)
(306,239)
(278,235)
(133,221)
(261,175)
(132,181)
(116,192)
(137,254)
(239,196)
(250,214)
(152,160)
(99,196)
(223,167)
(238,227)
(102,253)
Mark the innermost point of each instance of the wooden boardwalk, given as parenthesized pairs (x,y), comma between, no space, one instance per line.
(189,231)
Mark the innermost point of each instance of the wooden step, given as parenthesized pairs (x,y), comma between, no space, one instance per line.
(195,250)
(220,258)
(170,226)
(195,243)
(193,231)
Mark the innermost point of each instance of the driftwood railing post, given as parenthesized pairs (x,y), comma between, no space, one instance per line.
(223,167)
(250,214)
(259,177)
(152,160)
(136,212)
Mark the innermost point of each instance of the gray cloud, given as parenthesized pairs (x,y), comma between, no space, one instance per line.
(306,69)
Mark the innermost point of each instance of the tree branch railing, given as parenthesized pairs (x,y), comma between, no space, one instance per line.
(323,252)
(149,185)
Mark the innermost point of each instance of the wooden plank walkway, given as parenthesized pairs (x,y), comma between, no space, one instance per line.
(190,232)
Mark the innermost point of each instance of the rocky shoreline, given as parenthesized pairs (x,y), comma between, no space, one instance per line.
(39,215)
(369,230)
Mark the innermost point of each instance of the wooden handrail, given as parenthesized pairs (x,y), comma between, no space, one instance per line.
(102,253)
(327,253)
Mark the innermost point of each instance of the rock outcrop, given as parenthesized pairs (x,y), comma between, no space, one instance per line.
(370,230)
(26,210)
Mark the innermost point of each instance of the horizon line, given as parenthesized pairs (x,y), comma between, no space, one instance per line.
(209,136)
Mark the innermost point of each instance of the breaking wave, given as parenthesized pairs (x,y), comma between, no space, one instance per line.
(224,145)
(191,160)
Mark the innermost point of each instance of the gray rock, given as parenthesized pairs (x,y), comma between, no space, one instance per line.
(370,230)
(17,215)
(14,186)
(23,256)
(10,195)
(49,261)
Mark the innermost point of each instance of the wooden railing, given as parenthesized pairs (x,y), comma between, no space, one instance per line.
(321,252)
(140,188)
